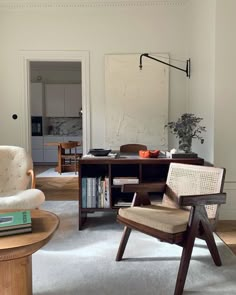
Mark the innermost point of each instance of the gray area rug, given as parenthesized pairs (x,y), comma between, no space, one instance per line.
(52,173)
(83,262)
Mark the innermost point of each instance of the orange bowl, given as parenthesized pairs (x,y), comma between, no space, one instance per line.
(144,154)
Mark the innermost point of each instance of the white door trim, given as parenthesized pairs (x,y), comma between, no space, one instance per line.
(26,56)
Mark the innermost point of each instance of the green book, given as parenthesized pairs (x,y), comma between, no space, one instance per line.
(16,219)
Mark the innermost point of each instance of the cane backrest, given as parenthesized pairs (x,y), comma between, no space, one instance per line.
(186,179)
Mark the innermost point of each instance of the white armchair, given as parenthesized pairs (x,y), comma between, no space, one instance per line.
(17,180)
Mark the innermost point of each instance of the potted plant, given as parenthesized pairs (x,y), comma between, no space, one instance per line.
(185,129)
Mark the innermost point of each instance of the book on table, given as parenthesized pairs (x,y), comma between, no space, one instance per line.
(16,222)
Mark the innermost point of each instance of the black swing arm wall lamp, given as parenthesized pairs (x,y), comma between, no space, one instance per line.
(186,70)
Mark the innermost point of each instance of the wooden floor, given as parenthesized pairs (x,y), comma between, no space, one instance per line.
(226,230)
(66,188)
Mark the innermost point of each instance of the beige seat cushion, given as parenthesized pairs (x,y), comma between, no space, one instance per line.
(162,218)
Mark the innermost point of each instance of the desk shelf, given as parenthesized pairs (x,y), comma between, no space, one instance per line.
(102,172)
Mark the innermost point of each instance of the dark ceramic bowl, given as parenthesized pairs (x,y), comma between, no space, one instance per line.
(99,152)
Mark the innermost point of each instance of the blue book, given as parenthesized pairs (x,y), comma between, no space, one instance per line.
(84,193)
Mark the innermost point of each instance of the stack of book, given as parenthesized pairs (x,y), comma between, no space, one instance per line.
(95,192)
(13,223)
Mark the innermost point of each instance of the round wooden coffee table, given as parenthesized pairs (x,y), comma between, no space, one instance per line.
(16,253)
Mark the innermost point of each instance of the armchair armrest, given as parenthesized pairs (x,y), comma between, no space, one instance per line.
(32,175)
(209,199)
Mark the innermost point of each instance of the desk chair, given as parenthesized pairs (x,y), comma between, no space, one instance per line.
(67,156)
(192,195)
(132,148)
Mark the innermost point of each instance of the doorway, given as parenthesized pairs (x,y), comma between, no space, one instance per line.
(56,101)
(74,57)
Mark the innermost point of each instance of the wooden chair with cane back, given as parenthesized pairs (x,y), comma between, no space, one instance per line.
(192,195)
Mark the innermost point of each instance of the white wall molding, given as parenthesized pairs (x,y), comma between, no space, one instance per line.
(26,56)
(22,4)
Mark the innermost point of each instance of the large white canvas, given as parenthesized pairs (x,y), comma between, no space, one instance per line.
(136,101)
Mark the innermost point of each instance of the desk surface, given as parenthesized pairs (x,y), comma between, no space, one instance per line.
(135,159)
(58,143)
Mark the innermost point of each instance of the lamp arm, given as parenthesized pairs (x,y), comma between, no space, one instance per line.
(186,70)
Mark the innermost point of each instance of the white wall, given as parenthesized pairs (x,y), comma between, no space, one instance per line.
(225,99)
(212,92)
(201,39)
(100,30)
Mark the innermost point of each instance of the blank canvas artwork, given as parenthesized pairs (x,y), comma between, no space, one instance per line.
(136,101)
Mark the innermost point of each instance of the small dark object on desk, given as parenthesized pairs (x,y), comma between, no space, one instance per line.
(182,155)
(99,152)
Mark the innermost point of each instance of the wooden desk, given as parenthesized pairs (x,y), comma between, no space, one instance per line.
(16,253)
(145,169)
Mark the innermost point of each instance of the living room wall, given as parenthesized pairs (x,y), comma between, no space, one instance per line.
(201,86)
(225,102)
(212,92)
(99,29)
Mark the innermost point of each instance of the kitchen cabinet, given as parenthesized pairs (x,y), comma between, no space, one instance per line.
(37,149)
(73,100)
(36,99)
(63,100)
(54,100)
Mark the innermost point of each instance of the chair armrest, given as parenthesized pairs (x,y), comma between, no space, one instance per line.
(32,175)
(141,191)
(144,187)
(209,199)
(171,194)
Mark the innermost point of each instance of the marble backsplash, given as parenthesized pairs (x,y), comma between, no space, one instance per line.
(63,126)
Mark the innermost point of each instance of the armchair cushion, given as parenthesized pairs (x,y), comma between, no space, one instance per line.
(16,182)
(162,218)
(14,165)
(27,199)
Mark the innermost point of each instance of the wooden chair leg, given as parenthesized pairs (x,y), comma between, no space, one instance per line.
(186,255)
(209,238)
(123,243)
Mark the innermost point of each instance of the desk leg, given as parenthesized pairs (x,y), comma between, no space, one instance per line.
(16,276)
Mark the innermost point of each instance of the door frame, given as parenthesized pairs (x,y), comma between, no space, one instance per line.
(27,56)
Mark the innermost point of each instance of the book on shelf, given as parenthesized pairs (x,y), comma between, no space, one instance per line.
(89,191)
(122,204)
(84,192)
(16,222)
(106,193)
(125,180)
